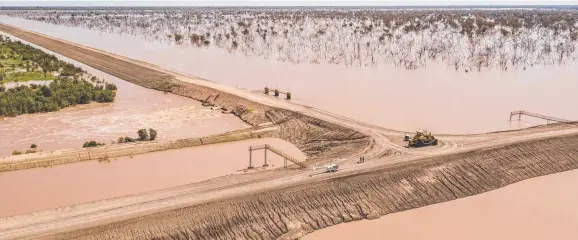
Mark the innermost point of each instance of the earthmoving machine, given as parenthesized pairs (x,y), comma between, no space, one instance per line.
(422,139)
(332,167)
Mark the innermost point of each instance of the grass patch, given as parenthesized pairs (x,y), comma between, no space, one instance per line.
(27,76)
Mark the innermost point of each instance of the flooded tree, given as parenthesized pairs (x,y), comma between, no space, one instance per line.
(461,39)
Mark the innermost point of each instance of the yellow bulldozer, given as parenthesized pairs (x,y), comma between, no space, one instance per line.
(421,139)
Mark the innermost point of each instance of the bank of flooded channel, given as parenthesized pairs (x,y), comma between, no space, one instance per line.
(44,188)
(435,98)
(539,208)
(174,117)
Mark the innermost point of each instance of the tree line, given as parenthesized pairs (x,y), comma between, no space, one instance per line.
(58,94)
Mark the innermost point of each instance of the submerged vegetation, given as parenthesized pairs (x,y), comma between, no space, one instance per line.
(33,149)
(67,87)
(58,94)
(468,39)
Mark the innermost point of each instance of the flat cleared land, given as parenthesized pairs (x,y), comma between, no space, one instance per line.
(289,204)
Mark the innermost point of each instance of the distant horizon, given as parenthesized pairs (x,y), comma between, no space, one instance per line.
(529,7)
(288,3)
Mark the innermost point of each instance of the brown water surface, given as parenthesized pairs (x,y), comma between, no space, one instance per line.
(538,208)
(436,98)
(43,188)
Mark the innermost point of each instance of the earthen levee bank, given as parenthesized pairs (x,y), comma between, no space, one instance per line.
(120,150)
(292,212)
(316,138)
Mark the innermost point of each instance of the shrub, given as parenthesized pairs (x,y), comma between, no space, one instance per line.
(92,144)
(153,134)
(30,151)
(110,86)
(142,134)
(16,152)
(33,146)
(120,140)
(128,139)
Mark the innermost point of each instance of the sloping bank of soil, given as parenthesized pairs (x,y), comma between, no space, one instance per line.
(315,137)
(294,211)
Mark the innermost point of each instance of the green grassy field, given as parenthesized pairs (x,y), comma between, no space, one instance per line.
(14,69)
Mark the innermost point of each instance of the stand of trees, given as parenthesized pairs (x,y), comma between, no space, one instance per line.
(143,135)
(467,39)
(58,94)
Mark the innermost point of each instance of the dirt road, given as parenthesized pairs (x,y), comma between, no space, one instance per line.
(288,204)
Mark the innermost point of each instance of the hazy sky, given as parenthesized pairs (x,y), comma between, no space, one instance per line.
(281,2)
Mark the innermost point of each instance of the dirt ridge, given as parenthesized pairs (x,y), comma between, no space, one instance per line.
(292,212)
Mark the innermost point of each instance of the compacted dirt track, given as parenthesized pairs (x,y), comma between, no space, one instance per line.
(288,204)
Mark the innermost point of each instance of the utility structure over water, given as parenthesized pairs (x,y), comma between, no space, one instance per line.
(266,147)
(547,118)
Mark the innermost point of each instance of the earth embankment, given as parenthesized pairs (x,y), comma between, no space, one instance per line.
(317,138)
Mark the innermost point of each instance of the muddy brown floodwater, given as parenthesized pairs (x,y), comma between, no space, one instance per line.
(43,188)
(436,98)
(539,208)
(135,107)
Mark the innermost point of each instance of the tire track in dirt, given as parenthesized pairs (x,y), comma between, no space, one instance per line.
(305,208)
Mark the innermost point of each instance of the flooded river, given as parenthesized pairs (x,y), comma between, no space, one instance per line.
(43,188)
(135,107)
(538,208)
(435,98)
